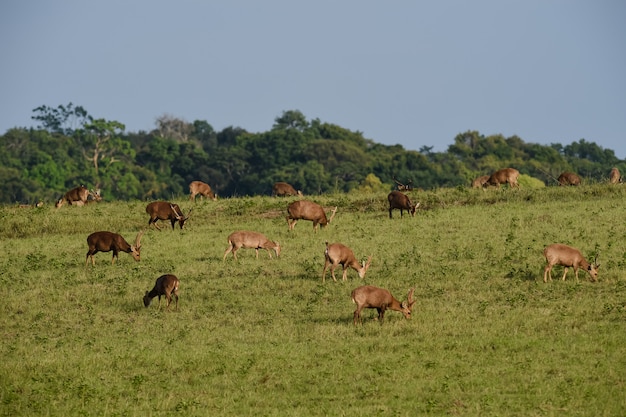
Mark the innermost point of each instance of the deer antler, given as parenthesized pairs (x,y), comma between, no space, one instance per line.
(332,214)
(138,239)
(410,299)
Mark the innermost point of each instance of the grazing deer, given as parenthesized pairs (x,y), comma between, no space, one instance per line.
(283,189)
(568,178)
(202,188)
(164,210)
(398,200)
(567,256)
(250,240)
(77,197)
(166,285)
(308,210)
(403,187)
(369,296)
(503,176)
(336,254)
(615,177)
(480,181)
(109,241)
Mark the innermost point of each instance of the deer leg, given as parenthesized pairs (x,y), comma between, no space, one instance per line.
(230,248)
(390,213)
(564,273)
(332,271)
(257,252)
(345,273)
(357,316)
(326,263)
(547,273)
(576,273)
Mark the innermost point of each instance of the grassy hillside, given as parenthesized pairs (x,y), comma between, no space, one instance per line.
(266,337)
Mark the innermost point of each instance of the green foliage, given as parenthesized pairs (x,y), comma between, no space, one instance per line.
(72,148)
(266,337)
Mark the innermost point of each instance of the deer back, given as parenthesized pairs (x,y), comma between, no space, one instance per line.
(568,178)
(284,189)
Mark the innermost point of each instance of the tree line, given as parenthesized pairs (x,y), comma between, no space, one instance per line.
(69,147)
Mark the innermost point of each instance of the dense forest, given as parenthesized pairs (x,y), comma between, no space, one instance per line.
(69,147)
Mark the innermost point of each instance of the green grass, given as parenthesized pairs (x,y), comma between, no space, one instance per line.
(266,337)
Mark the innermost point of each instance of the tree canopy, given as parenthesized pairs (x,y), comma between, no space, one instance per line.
(69,147)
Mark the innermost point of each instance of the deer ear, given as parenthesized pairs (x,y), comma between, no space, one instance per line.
(403,305)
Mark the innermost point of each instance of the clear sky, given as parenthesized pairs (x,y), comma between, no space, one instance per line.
(414,73)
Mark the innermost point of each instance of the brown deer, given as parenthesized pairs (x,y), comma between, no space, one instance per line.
(336,254)
(480,181)
(202,188)
(164,210)
(109,241)
(403,187)
(76,197)
(308,210)
(166,285)
(398,200)
(283,189)
(568,178)
(503,176)
(369,296)
(614,176)
(567,256)
(250,240)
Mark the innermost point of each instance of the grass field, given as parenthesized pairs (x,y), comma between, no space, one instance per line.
(266,337)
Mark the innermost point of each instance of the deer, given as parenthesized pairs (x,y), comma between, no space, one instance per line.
(166,285)
(614,176)
(381,299)
(567,256)
(568,178)
(338,253)
(250,240)
(308,210)
(108,241)
(201,188)
(76,197)
(480,181)
(398,200)
(503,176)
(283,189)
(164,210)
(403,187)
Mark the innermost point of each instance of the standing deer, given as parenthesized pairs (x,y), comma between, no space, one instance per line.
(398,200)
(78,196)
(369,296)
(568,178)
(202,188)
(308,210)
(480,181)
(283,189)
(336,254)
(164,210)
(567,256)
(166,285)
(614,176)
(503,176)
(250,240)
(109,241)
(403,187)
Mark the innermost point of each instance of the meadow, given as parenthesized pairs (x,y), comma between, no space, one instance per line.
(266,337)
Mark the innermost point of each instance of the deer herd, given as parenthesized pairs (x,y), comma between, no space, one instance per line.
(335,254)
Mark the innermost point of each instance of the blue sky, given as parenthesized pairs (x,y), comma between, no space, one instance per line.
(414,73)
